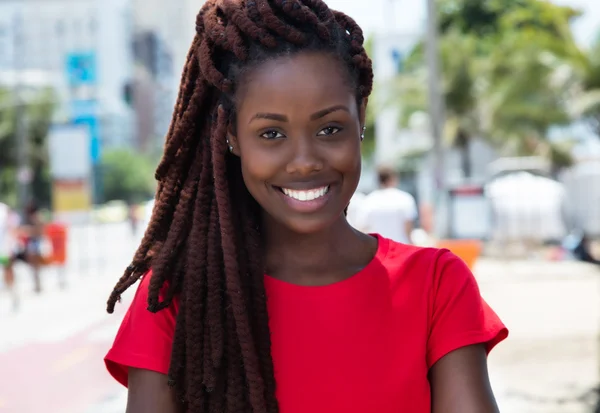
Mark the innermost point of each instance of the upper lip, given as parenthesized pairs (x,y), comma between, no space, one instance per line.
(307,186)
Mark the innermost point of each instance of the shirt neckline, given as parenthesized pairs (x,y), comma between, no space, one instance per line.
(380,253)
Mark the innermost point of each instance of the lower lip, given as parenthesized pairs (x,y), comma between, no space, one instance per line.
(305,206)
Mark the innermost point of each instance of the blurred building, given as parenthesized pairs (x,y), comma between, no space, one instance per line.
(84,45)
(163,32)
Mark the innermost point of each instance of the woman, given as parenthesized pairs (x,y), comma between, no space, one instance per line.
(256,293)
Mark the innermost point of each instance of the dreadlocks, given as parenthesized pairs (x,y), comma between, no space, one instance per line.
(204,240)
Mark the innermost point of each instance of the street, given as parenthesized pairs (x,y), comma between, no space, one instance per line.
(51,352)
(550,361)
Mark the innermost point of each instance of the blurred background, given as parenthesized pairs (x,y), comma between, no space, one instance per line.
(488,109)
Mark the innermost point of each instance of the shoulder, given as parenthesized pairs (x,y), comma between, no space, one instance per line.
(422,258)
(144,338)
(422,265)
(402,196)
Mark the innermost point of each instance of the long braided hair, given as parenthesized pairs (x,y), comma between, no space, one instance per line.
(203,242)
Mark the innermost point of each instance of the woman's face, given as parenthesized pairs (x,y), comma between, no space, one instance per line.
(298,137)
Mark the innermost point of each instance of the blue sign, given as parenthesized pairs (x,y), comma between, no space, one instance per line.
(81,68)
(85,112)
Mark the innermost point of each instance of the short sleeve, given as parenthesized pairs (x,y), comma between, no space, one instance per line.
(459,316)
(144,339)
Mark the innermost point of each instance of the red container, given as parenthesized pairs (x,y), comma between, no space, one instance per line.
(57,235)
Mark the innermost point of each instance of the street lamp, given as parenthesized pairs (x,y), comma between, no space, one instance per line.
(436,111)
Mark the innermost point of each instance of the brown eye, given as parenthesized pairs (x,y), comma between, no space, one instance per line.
(271,134)
(330,130)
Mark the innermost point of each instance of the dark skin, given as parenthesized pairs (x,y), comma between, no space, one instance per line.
(298,127)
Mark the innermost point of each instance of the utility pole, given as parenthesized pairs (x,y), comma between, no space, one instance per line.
(23,169)
(436,112)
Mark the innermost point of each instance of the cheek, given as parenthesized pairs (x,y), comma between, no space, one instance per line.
(258,167)
(346,158)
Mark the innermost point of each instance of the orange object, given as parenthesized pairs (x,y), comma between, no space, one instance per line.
(57,235)
(466,249)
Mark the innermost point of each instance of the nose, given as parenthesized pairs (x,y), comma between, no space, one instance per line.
(305,157)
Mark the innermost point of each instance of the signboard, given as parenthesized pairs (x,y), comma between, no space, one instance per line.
(81,73)
(90,122)
(71,195)
(470,213)
(81,68)
(70,168)
(69,147)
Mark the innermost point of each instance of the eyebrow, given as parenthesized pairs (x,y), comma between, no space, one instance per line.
(317,115)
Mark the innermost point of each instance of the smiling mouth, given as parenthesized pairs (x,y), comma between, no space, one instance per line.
(305,195)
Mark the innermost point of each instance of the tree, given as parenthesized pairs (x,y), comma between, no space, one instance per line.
(582,77)
(127,176)
(39,109)
(498,59)
(485,18)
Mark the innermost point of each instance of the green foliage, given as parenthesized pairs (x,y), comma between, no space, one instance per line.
(585,67)
(127,176)
(484,18)
(39,108)
(499,61)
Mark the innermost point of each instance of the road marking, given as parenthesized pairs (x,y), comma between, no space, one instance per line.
(73,358)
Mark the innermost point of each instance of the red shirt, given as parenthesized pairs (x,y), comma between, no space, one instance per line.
(364,344)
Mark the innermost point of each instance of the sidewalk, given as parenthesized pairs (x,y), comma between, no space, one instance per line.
(550,361)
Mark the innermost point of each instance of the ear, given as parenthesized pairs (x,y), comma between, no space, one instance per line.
(233,141)
(362,112)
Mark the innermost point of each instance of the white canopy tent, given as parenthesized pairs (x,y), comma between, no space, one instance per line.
(527,206)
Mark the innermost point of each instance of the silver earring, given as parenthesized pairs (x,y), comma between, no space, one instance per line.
(229,146)
(362,135)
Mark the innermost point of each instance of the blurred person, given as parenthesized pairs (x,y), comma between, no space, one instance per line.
(388,210)
(5,233)
(256,294)
(8,224)
(29,246)
(354,210)
(582,250)
(132,216)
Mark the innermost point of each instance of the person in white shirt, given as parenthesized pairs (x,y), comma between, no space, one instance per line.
(9,222)
(389,211)
(353,212)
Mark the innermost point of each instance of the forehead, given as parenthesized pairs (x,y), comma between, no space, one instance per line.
(296,82)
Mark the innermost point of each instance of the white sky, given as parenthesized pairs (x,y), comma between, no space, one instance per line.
(408,15)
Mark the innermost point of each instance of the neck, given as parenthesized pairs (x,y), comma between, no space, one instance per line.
(293,256)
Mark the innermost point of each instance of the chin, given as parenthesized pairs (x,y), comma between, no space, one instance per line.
(308,225)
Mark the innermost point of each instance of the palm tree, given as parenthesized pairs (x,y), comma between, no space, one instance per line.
(582,76)
(461,69)
(500,87)
(523,101)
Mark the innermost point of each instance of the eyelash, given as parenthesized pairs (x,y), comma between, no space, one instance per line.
(337,130)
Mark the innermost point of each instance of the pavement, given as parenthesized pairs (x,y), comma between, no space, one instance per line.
(550,361)
(56,342)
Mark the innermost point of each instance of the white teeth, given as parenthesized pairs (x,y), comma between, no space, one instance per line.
(309,195)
